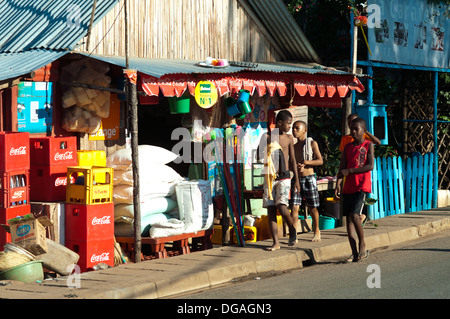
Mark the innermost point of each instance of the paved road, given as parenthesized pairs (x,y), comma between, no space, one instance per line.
(419,269)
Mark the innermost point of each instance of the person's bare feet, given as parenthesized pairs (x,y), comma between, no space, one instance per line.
(273,248)
(316,237)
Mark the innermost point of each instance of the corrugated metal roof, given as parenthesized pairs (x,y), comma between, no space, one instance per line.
(284,30)
(47,24)
(160,67)
(16,64)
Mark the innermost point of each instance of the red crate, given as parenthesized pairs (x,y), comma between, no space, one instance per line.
(14,188)
(89,222)
(5,178)
(48,183)
(93,252)
(58,151)
(14,151)
(5,215)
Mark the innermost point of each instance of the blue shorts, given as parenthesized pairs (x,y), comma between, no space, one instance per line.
(308,191)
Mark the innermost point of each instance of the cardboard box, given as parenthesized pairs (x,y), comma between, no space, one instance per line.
(29,233)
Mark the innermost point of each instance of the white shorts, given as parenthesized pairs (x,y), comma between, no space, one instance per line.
(280,193)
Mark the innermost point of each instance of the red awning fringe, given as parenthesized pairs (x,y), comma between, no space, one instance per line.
(261,83)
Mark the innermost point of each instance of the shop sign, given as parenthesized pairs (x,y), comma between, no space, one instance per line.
(410,32)
(206,94)
(109,128)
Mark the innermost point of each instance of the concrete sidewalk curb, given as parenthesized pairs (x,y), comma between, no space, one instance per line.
(166,278)
(290,260)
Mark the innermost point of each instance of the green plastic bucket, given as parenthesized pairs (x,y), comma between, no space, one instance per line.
(29,272)
(179,105)
(327,222)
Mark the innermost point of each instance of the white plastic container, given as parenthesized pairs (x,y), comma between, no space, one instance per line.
(58,258)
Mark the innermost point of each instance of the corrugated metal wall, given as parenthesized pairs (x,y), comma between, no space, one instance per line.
(44,24)
(182,29)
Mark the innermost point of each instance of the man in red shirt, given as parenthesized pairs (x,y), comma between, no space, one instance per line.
(356,163)
(348,138)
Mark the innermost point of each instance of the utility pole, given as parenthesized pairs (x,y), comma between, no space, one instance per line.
(354,58)
(131,76)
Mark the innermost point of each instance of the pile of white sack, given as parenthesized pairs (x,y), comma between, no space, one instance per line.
(157,189)
(169,204)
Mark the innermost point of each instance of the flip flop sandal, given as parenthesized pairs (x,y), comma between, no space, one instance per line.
(365,256)
(351,259)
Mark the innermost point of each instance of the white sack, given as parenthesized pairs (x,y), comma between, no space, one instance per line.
(159,205)
(148,154)
(195,204)
(150,173)
(123,194)
(167,228)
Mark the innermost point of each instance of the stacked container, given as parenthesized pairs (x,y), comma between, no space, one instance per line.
(50,157)
(14,178)
(89,215)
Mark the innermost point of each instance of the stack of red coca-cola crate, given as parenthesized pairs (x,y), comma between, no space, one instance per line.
(14,178)
(90,233)
(50,157)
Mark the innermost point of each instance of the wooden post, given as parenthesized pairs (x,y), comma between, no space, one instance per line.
(90,25)
(127,62)
(355,49)
(435,146)
(348,101)
(405,123)
(133,113)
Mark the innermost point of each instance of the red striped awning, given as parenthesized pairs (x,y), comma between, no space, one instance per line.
(261,83)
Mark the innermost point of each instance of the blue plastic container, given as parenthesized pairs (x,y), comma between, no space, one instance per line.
(234,110)
(327,222)
(243,96)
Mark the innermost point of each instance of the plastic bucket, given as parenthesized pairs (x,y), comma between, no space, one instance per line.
(234,110)
(179,105)
(243,96)
(245,107)
(29,272)
(229,101)
(327,222)
(15,248)
(333,207)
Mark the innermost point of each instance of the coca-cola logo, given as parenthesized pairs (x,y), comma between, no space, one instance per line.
(101,221)
(63,156)
(18,194)
(22,150)
(61,181)
(98,258)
